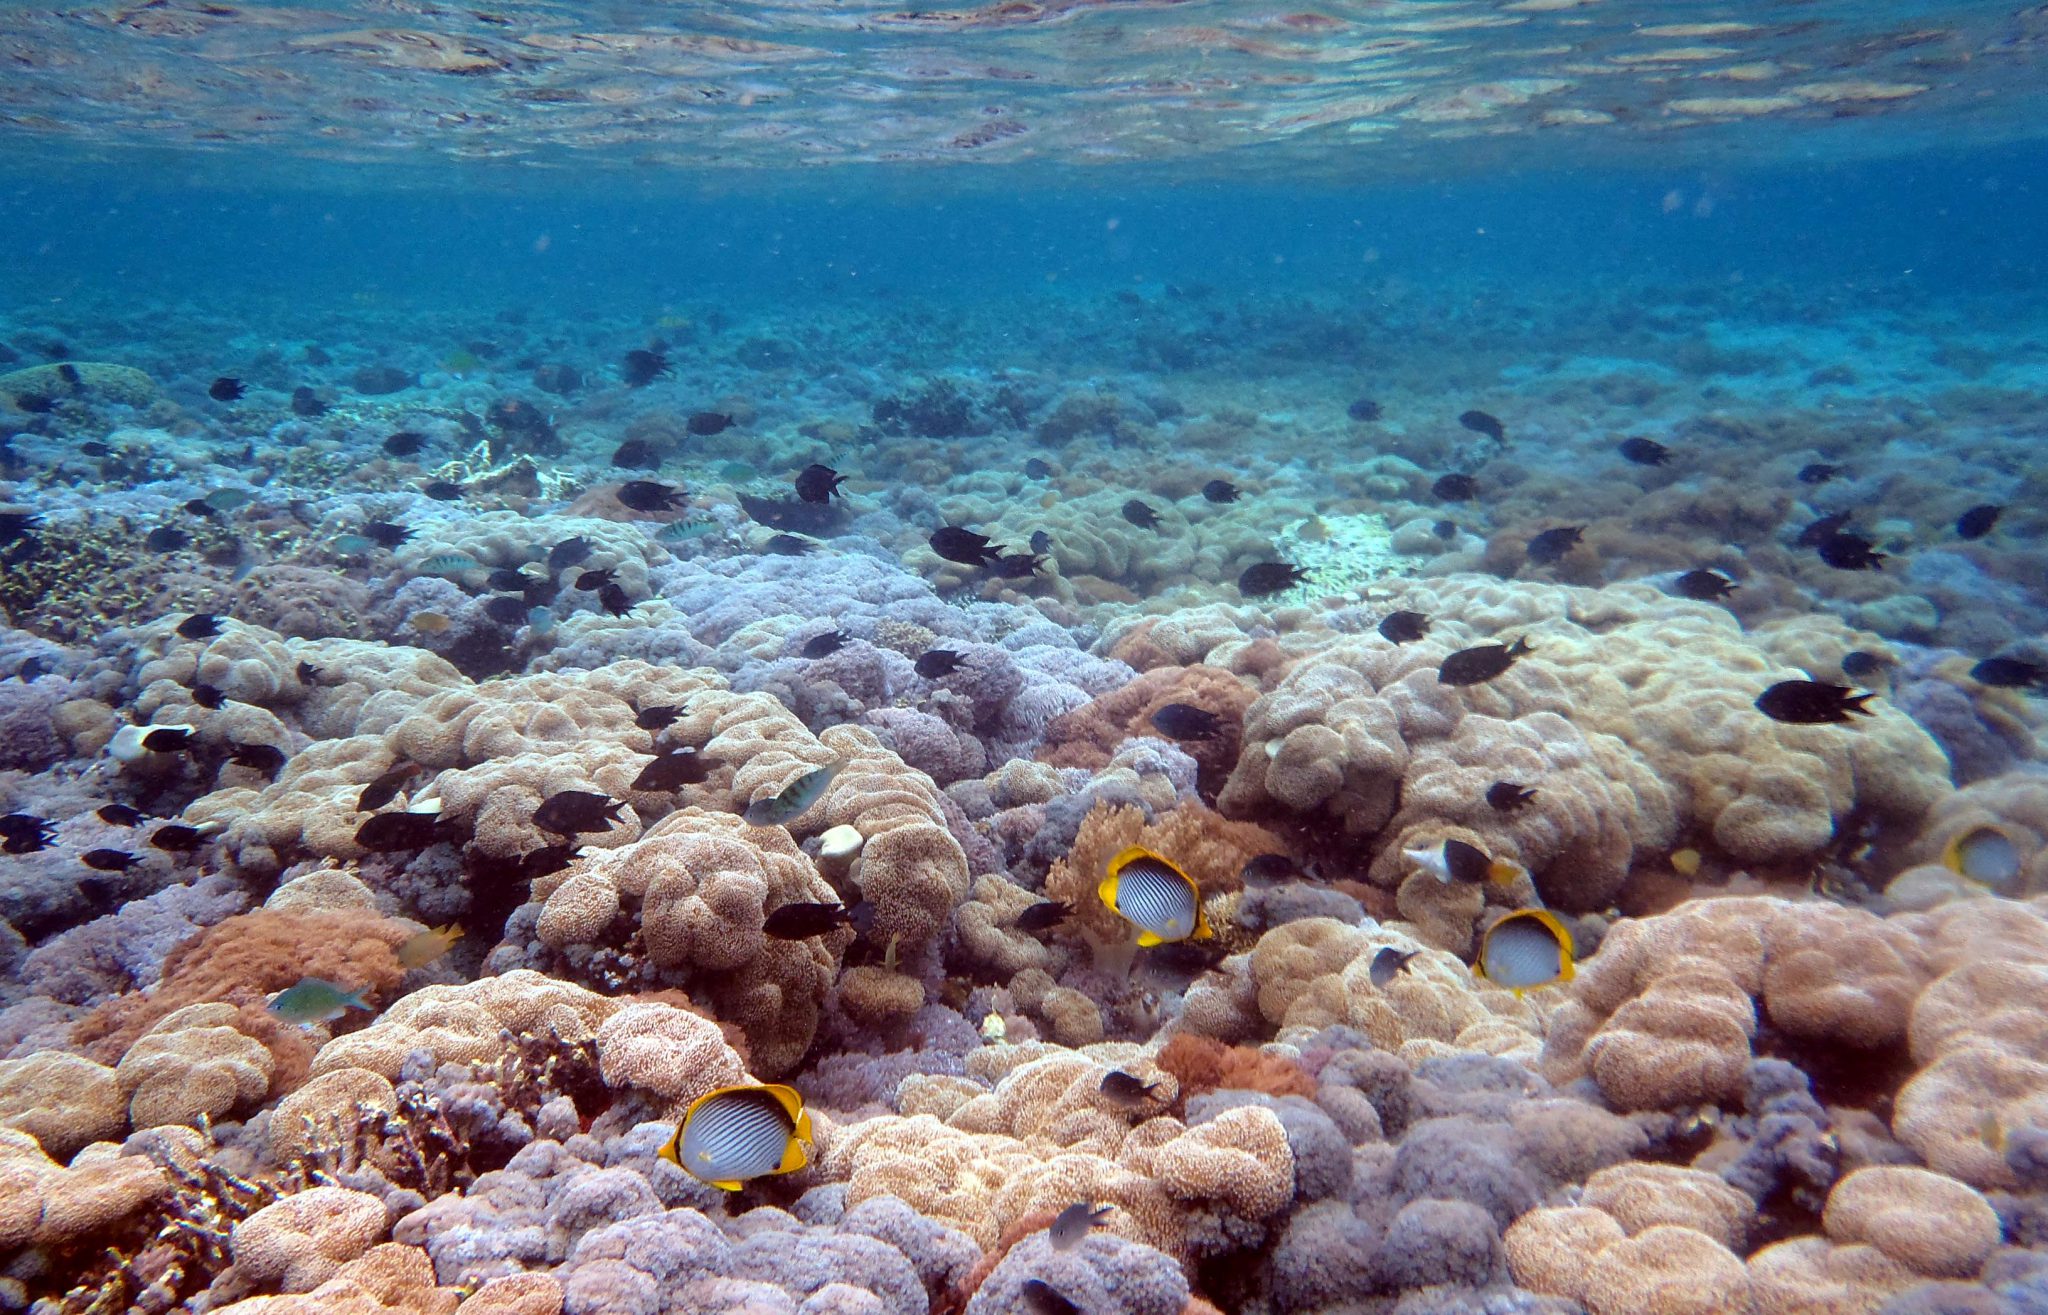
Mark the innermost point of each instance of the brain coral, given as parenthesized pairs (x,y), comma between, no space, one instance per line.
(1633,712)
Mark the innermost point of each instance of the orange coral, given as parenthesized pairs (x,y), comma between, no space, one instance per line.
(1021,1228)
(1089,735)
(1200,1064)
(244,960)
(1208,846)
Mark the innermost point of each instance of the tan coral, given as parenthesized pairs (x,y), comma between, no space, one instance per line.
(300,1241)
(1210,848)
(873,995)
(48,1204)
(462,1024)
(1642,1196)
(1549,1248)
(62,1100)
(670,1053)
(516,1294)
(326,1110)
(388,1279)
(1813,1276)
(1933,1225)
(1666,1270)
(193,1066)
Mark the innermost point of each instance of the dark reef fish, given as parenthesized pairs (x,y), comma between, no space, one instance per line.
(17,524)
(1043,916)
(1387,965)
(406,443)
(1820,473)
(1363,409)
(1551,545)
(265,758)
(646,495)
(1044,1299)
(168,739)
(1127,1090)
(826,644)
(441,490)
(1479,422)
(1824,529)
(1850,552)
(659,717)
(1978,521)
(226,389)
(199,625)
(798,922)
(1860,665)
(613,599)
(706,423)
(642,367)
(2009,673)
(1034,468)
(1076,1222)
(208,696)
(1221,490)
(816,483)
(591,581)
(1476,666)
(1269,867)
(177,838)
(789,545)
(1704,586)
(1455,487)
(1185,721)
(108,860)
(673,771)
(1403,627)
(1140,515)
(1507,797)
(569,812)
(386,535)
(635,454)
(506,609)
(307,673)
(1645,452)
(1017,566)
(166,538)
(25,833)
(1263,578)
(938,663)
(1041,543)
(964,546)
(567,553)
(385,788)
(111,814)
(1811,703)
(306,403)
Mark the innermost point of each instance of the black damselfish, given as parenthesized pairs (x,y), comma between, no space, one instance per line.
(1140,515)
(568,812)
(1551,545)
(1481,423)
(826,644)
(956,544)
(1475,666)
(1403,627)
(1455,487)
(646,495)
(1645,452)
(1185,721)
(816,483)
(1263,578)
(938,663)
(1812,703)
(1220,490)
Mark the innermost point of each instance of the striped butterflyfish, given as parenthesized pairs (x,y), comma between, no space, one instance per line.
(735,1134)
(1150,892)
(1526,949)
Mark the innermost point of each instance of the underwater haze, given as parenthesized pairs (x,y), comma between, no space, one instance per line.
(1067,657)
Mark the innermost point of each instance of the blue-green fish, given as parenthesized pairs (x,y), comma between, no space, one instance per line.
(450,563)
(229,499)
(316,1000)
(348,545)
(794,801)
(739,472)
(696,527)
(542,620)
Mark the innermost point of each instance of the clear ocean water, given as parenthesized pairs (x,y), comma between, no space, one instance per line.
(747,658)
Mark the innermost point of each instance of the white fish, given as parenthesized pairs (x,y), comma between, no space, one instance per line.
(1525,949)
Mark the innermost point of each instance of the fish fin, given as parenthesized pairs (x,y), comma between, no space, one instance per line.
(794,1156)
(1148,939)
(1505,870)
(1203,931)
(668,1149)
(1106,891)
(726,1184)
(789,1098)
(1479,970)
(1952,854)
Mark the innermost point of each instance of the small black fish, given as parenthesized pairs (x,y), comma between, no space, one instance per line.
(1363,409)
(307,403)
(16,524)
(1704,586)
(1403,627)
(1388,964)
(790,545)
(385,788)
(1811,703)
(307,673)
(1820,473)
(1126,1090)
(1185,721)
(673,771)
(1037,469)
(116,815)
(389,832)
(1850,552)
(225,389)
(1551,545)
(386,535)
(1140,515)
(31,670)
(177,838)
(1859,665)
(825,645)
(1507,797)
(938,663)
(1455,488)
(95,448)
(264,758)
(642,367)
(1041,543)
(406,443)
(545,860)
(1045,1299)
(199,625)
(1977,521)
(1017,566)
(613,599)
(208,696)
(1076,1222)
(25,833)
(635,454)
(1268,867)
(816,483)
(1043,916)
(646,495)
(108,860)
(442,491)
(167,739)
(1824,529)
(1645,452)
(706,423)
(567,553)
(2009,673)
(568,812)
(1263,578)
(506,609)
(591,581)
(1220,490)
(34,403)
(1474,666)
(1481,423)
(797,922)
(70,375)
(166,538)
(199,507)
(657,718)
(963,546)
